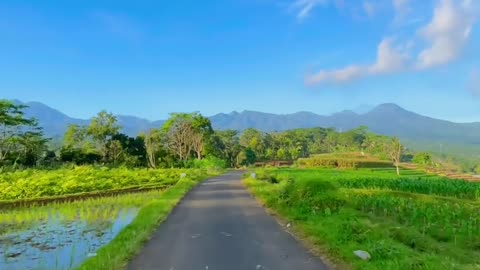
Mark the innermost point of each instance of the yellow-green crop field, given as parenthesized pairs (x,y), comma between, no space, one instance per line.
(28,184)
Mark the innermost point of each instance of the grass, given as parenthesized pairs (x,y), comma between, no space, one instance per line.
(415,221)
(130,240)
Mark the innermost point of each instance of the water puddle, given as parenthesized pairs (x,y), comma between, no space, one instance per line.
(59,243)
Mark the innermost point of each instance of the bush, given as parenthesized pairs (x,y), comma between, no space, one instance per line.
(210,162)
(312,196)
(422,159)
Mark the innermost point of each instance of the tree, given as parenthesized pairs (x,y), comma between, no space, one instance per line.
(253,139)
(393,149)
(32,146)
(75,136)
(153,143)
(246,157)
(228,145)
(134,152)
(12,125)
(179,137)
(197,141)
(116,152)
(102,128)
(187,133)
(78,146)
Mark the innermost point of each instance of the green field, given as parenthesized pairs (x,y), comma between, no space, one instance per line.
(412,221)
(31,184)
(91,231)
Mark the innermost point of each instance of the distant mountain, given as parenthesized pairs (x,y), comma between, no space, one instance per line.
(53,121)
(388,119)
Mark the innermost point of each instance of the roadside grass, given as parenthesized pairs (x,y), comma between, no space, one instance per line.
(130,240)
(410,222)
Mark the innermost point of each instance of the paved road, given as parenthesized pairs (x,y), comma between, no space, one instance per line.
(219,226)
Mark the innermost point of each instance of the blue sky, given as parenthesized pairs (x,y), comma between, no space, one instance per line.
(149,58)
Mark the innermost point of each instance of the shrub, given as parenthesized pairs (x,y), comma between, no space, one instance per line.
(210,162)
(422,159)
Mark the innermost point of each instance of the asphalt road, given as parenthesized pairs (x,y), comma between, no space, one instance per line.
(219,226)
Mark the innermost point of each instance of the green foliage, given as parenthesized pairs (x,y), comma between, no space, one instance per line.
(422,159)
(103,126)
(210,162)
(79,156)
(21,140)
(185,137)
(415,221)
(226,146)
(153,146)
(187,134)
(40,183)
(246,157)
(102,129)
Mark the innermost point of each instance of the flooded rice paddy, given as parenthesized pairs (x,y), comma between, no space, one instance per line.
(62,236)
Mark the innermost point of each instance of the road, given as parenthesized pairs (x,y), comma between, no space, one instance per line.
(219,226)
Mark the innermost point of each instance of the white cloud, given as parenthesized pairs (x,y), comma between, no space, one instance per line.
(446,34)
(439,42)
(304,7)
(473,84)
(389,59)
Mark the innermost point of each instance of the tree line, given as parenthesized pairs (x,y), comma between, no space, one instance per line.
(184,140)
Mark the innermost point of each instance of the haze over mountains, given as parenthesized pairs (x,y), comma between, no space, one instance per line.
(386,119)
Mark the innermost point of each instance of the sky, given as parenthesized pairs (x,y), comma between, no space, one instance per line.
(151,58)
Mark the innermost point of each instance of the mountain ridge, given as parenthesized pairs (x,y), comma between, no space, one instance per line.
(387,119)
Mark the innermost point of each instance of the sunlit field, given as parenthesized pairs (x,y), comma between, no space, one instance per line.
(412,221)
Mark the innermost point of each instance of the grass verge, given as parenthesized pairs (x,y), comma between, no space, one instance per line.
(129,241)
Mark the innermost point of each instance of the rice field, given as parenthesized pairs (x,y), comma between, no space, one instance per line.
(64,234)
(28,184)
(412,221)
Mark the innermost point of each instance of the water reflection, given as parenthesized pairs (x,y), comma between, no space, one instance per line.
(59,243)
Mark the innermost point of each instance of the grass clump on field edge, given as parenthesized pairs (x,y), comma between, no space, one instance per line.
(129,241)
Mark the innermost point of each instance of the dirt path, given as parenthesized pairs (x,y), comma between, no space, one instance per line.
(219,226)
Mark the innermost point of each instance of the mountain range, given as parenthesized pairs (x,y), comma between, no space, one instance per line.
(387,119)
